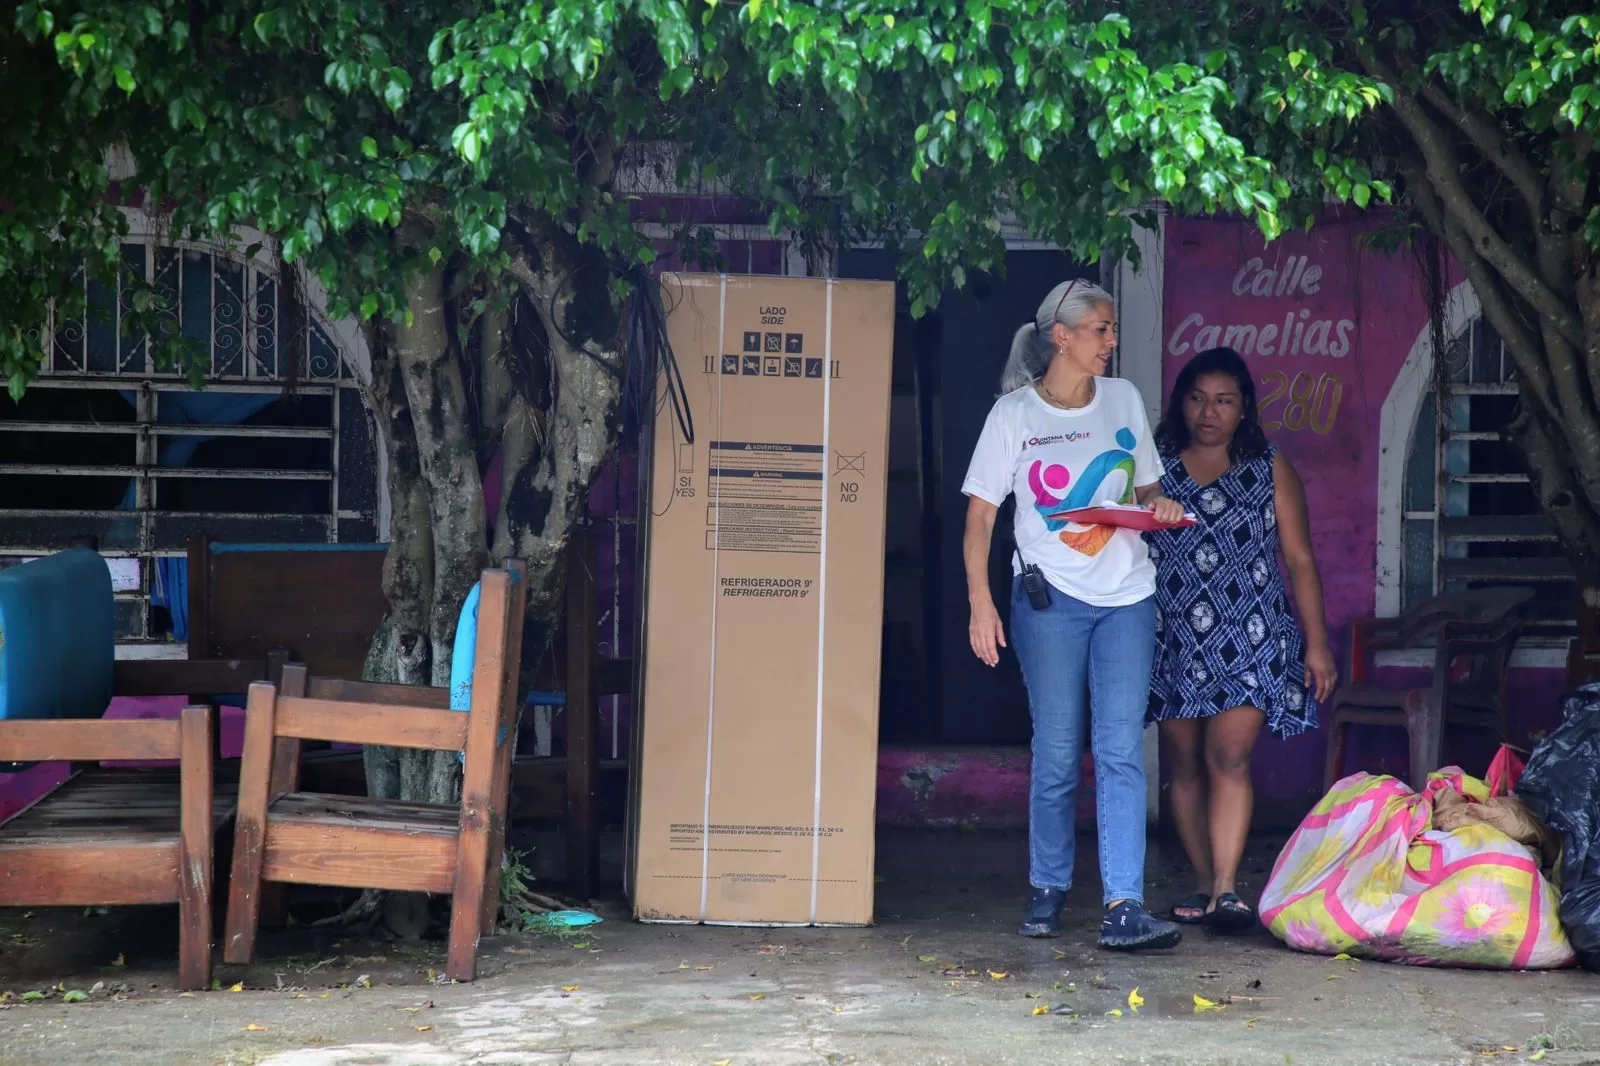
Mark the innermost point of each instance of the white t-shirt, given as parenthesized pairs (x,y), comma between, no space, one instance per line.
(1054,461)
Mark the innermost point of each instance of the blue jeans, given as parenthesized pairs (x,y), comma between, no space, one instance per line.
(1090,663)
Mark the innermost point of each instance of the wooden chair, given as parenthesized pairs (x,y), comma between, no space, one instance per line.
(115,836)
(1471,635)
(285,835)
(323,602)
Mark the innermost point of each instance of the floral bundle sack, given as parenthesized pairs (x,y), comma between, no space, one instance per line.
(1371,873)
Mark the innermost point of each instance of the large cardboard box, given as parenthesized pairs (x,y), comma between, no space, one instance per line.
(757,747)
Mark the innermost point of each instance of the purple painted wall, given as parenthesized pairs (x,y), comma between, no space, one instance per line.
(1326,323)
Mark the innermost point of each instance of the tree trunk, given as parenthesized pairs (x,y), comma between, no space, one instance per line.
(545,489)
(439,532)
(399,653)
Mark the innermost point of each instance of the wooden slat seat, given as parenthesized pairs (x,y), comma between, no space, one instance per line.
(100,807)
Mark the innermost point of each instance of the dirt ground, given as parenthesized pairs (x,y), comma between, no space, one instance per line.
(941,980)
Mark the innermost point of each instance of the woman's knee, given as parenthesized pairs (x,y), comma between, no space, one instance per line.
(1228,761)
(1230,740)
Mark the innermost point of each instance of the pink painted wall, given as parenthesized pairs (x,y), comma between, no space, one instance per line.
(1326,324)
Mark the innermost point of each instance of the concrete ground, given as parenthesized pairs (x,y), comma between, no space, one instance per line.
(941,980)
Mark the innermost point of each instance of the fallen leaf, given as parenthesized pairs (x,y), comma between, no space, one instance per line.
(1043,1008)
(32,997)
(325,995)
(1114,1012)
(758,995)
(424,1028)
(1201,1003)
(1537,1056)
(119,962)
(1250,1023)
(571,988)
(185,995)
(255,1028)
(364,981)
(1341,957)
(1333,977)
(75,996)
(1135,1000)
(927,958)
(723,1062)
(238,987)
(1030,995)
(1508,1047)
(998,975)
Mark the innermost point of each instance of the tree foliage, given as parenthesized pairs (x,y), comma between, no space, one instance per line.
(464,176)
(372,139)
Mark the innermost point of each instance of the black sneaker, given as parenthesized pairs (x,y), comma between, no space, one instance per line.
(1129,927)
(1043,917)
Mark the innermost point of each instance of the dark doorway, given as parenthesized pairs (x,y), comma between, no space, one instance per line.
(946,377)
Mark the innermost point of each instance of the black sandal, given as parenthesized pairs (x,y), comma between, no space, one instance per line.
(1197,902)
(1231,914)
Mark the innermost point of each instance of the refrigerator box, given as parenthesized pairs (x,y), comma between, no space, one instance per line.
(757,739)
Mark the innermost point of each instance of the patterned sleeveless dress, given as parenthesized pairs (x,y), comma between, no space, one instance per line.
(1224,634)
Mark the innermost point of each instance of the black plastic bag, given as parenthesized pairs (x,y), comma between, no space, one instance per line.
(1561,785)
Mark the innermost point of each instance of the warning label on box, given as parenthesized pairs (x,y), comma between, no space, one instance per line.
(765,497)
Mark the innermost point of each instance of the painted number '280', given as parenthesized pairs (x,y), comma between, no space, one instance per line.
(1308,401)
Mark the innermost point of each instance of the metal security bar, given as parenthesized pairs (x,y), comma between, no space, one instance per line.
(102,415)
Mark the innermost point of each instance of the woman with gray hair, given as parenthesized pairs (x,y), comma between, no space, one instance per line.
(1064,437)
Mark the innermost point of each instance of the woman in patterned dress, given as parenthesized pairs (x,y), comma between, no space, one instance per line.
(1229,656)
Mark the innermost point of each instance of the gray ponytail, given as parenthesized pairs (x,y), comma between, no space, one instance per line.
(1032,347)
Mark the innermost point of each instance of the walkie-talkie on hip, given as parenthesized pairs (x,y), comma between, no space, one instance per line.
(1037,588)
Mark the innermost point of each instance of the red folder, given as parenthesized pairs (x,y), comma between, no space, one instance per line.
(1128,517)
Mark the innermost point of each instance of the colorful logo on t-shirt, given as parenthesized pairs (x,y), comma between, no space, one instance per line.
(1051,495)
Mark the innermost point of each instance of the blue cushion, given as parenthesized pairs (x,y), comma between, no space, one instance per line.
(57,637)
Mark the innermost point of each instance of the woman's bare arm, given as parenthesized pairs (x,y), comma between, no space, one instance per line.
(984,630)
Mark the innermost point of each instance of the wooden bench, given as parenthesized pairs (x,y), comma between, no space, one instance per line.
(109,835)
(286,835)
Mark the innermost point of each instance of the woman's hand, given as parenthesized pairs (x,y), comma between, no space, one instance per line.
(988,636)
(1167,511)
(1321,674)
